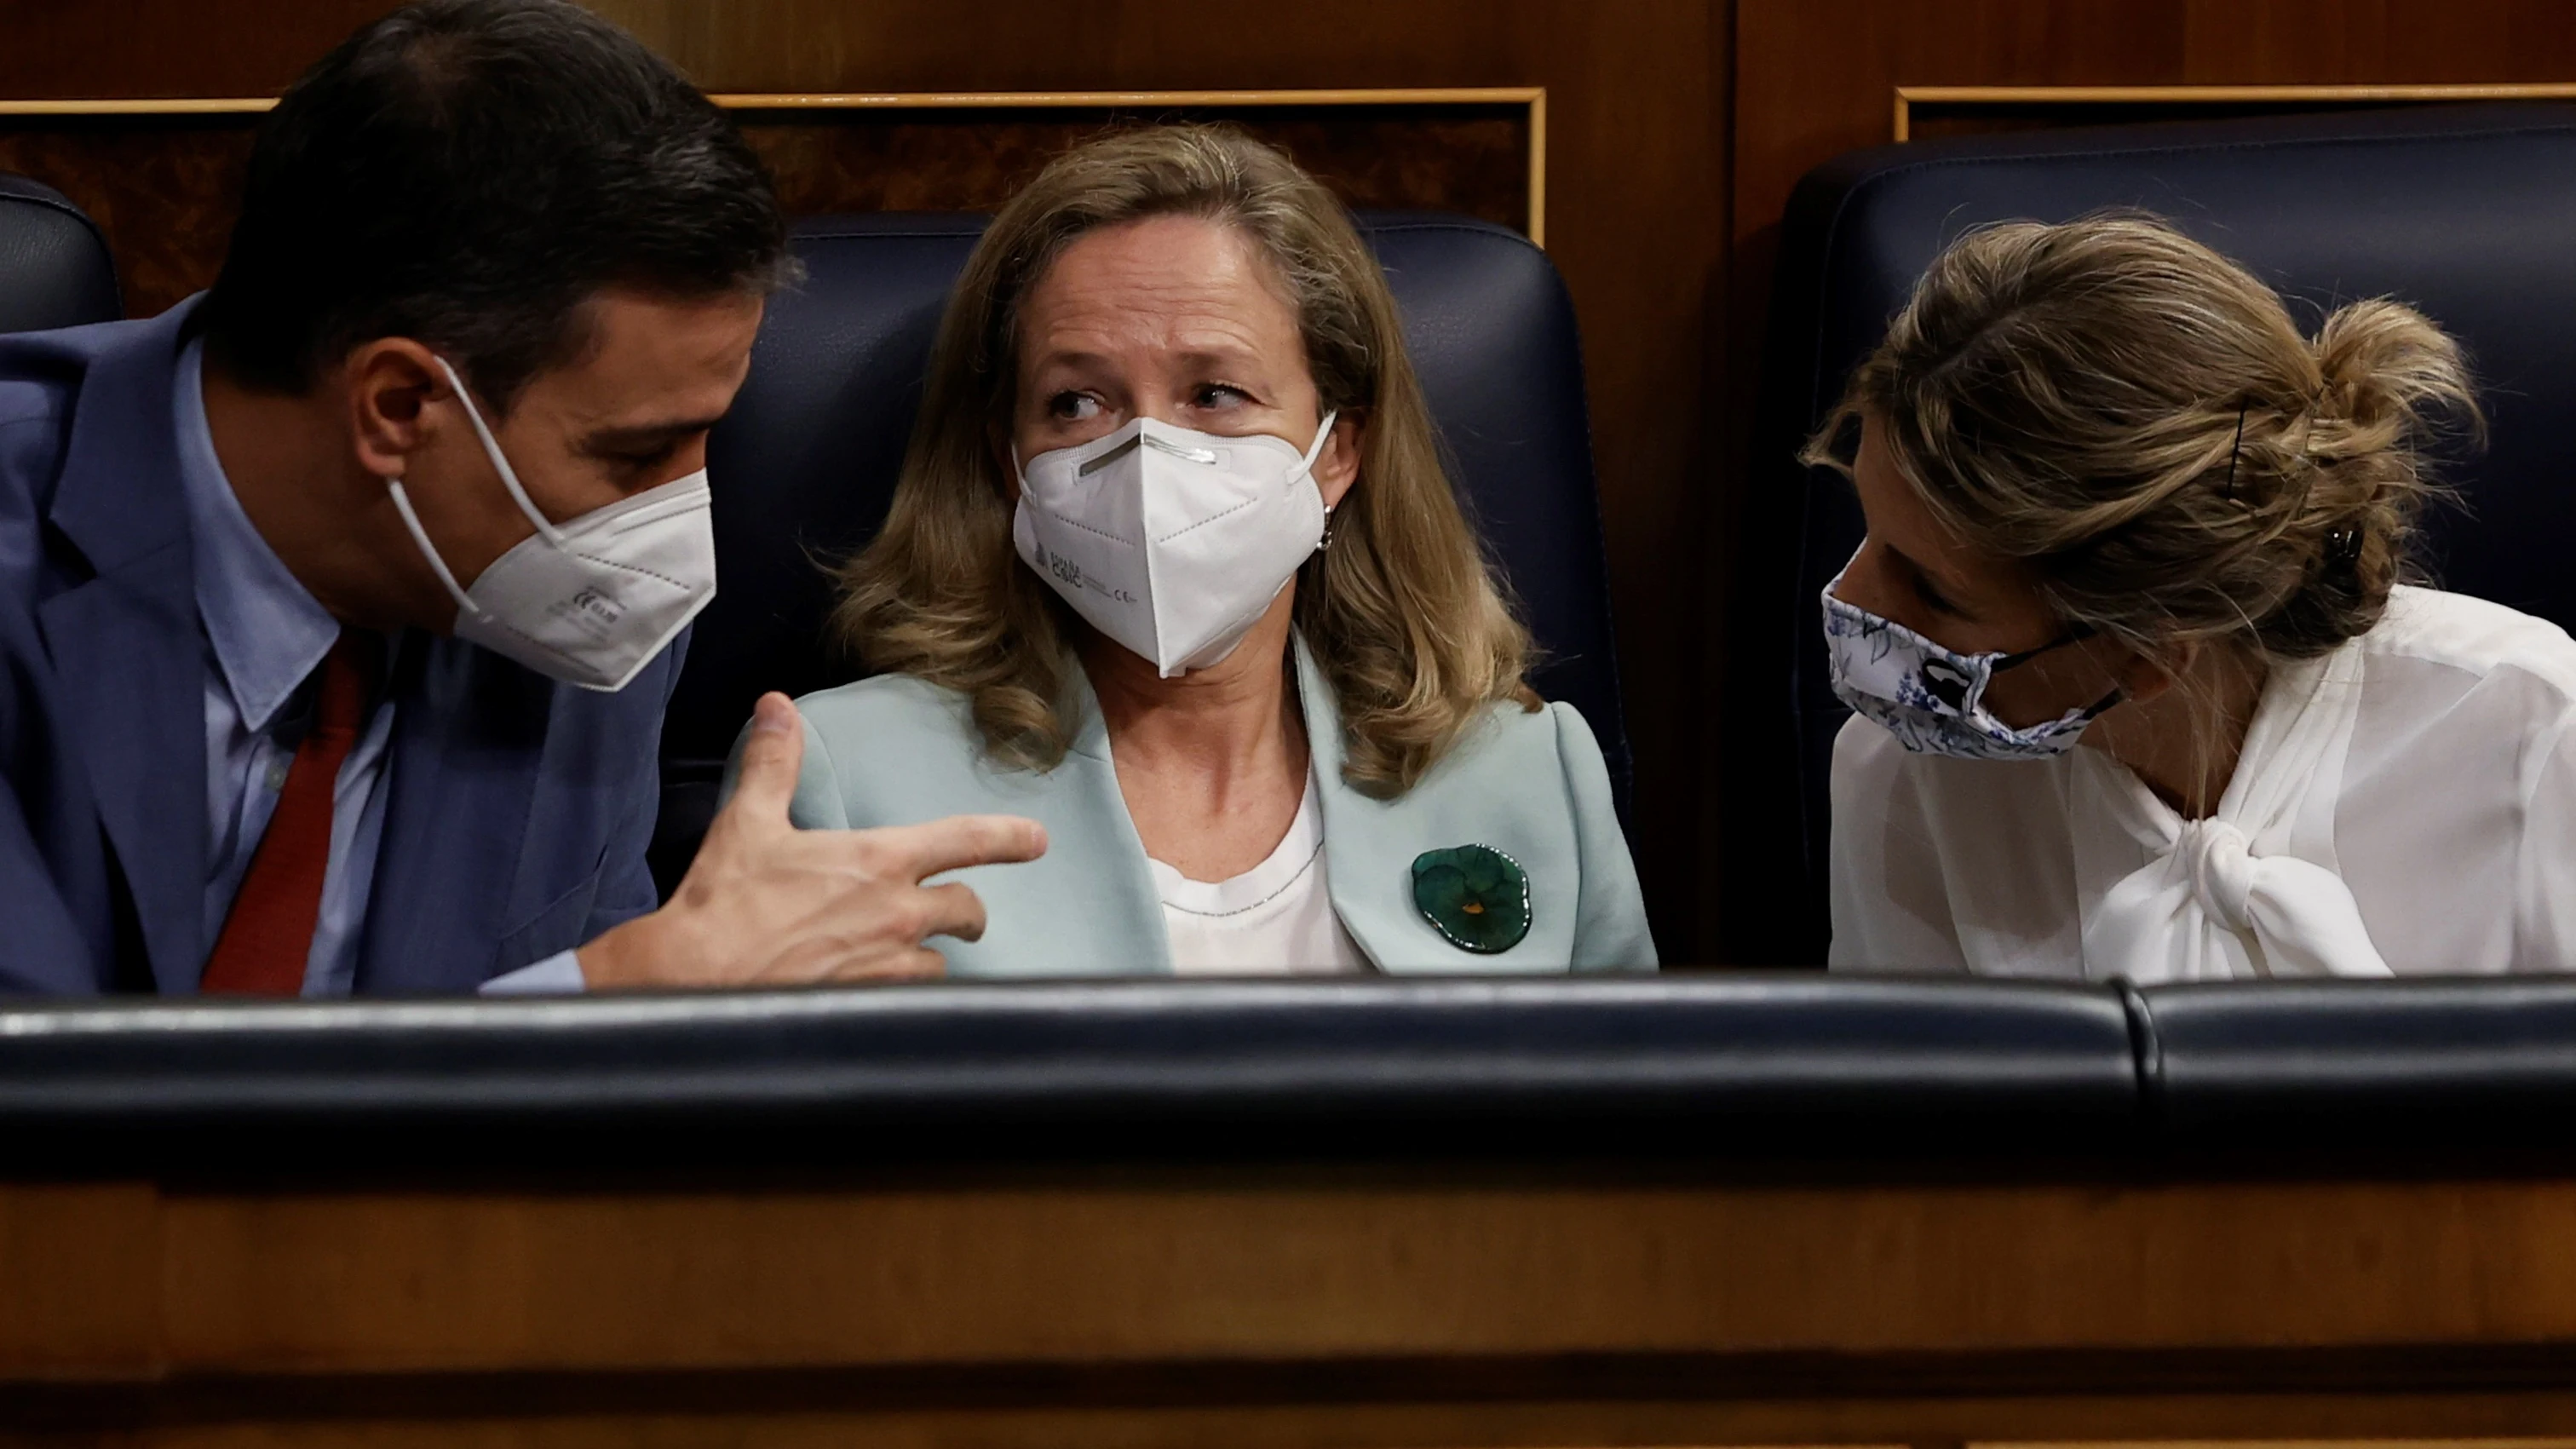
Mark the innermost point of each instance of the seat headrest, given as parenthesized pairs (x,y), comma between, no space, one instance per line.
(804,466)
(54,265)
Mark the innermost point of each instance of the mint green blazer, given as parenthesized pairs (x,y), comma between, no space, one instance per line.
(894,750)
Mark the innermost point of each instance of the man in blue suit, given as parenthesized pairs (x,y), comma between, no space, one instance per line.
(339,607)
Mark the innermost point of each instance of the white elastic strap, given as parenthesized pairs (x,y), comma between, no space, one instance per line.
(1306,470)
(428,550)
(500,462)
(1322,433)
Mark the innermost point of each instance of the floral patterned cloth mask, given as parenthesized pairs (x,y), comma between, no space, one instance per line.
(1933,699)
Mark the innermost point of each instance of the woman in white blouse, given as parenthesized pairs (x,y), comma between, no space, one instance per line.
(2139,691)
(1173,568)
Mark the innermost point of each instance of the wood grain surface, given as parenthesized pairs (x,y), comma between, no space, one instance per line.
(1296,1311)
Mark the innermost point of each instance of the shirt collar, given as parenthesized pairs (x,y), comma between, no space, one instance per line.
(268,633)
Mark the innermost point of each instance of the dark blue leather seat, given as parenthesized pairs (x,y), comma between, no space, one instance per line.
(2464,211)
(806,463)
(54,265)
(2441,1067)
(1715,1068)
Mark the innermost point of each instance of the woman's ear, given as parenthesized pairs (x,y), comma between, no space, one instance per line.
(997,436)
(1337,467)
(2145,676)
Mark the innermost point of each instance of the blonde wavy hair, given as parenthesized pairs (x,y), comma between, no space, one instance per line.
(2137,422)
(1401,612)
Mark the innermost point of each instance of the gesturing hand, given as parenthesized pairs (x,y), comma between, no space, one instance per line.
(768,904)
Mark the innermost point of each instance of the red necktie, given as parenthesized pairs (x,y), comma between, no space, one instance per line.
(269,932)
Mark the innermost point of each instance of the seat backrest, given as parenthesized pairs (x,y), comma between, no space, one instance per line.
(2465,212)
(805,465)
(54,265)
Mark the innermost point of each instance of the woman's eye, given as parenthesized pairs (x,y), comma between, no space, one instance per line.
(1073,407)
(1218,395)
(1928,594)
(1932,598)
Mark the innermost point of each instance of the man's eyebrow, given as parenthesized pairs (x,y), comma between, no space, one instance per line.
(628,437)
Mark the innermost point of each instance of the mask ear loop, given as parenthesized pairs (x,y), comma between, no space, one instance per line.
(2076,635)
(500,464)
(1306,466)
(428,550)
(1323,435)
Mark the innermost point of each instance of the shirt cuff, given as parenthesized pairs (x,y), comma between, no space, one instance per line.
(557,975)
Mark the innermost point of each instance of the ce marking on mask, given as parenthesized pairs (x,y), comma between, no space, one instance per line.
(1071,573)
(591,610)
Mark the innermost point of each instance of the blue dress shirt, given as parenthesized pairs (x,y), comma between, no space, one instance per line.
(265,636)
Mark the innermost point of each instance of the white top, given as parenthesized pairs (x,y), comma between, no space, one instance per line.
(1275,919)
(2404,805)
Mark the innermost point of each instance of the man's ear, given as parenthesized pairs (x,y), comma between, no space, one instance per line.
(1338,466)
(388,385)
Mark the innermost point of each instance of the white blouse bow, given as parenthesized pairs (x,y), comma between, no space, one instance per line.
(2252,890)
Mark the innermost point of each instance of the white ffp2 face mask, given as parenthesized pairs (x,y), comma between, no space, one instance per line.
(1169,541)
(591,601)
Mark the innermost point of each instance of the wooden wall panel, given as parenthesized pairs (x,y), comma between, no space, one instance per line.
(165,187)
(164,191)
(76,49)
(1816,77)
(1469,158)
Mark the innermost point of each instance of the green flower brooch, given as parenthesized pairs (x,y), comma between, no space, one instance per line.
(1474,895)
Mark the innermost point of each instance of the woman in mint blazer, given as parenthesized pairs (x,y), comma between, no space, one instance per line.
(894,750)
(1174,569)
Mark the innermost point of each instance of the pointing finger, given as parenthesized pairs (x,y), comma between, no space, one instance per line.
(962,840)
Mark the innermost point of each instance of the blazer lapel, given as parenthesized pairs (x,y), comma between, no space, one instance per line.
(1124,907)
(1351,821)
(127,646)
(1370,846)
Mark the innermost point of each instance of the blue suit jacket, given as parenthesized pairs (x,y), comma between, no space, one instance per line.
(518,808)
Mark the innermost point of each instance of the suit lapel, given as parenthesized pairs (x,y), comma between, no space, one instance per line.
(127,647)
(468,745)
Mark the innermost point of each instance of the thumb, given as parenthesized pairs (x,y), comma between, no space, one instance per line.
(771,759)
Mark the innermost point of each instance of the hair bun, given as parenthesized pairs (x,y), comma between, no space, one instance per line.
(2386,371)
